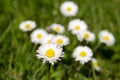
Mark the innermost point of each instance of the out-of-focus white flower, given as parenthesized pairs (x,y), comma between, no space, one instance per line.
(106,37)
(76,26)
(57,28)
(82,54)
(48,39)
(86,35)
(95,64)
(27,25)
(69,8)
(50,53)
(38,35)
(61,40)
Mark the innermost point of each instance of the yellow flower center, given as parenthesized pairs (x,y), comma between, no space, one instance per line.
(49,41)
(68,8)
(50,53)
(82,54)
(57,29)
(95,64)
(59,41)
(77,27)
(106,38)
(39,36)
(27,26)
(86,35)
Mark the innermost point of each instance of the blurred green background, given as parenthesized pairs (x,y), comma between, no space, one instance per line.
(17,53)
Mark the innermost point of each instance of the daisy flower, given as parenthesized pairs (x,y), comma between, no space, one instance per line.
(50,53)
(82,54)
(76,26)
(106,37)
(38,35)
(61,40)
(69,8)
(48,39)
(86,35)
(57,28)
(27,25)
(95,64)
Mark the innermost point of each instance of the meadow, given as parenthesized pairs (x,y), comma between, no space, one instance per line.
(18,59)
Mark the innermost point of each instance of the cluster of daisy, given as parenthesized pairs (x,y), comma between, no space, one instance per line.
(79,28)
(51,45)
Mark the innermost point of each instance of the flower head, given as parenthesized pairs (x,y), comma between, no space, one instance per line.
(50,53)
(48,39)
(95,64)
(69,8)
(27,25)
(86,35)
(57,28)
(76,26)
(61,40)
(106,37)
(38,35)
(82,54)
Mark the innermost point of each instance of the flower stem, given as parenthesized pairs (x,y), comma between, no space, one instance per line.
(95,49)
(78,69)
(49,71)
(93,72)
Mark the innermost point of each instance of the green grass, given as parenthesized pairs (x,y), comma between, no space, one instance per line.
(17,53)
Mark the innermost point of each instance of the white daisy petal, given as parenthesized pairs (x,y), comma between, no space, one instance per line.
(69,8)
(50,53)
(76,26)
(95,64)
(82,54)
(61,40)
(48,39)
(106,37)
(38,35)
(86,35)
(57,28)
(27,25)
